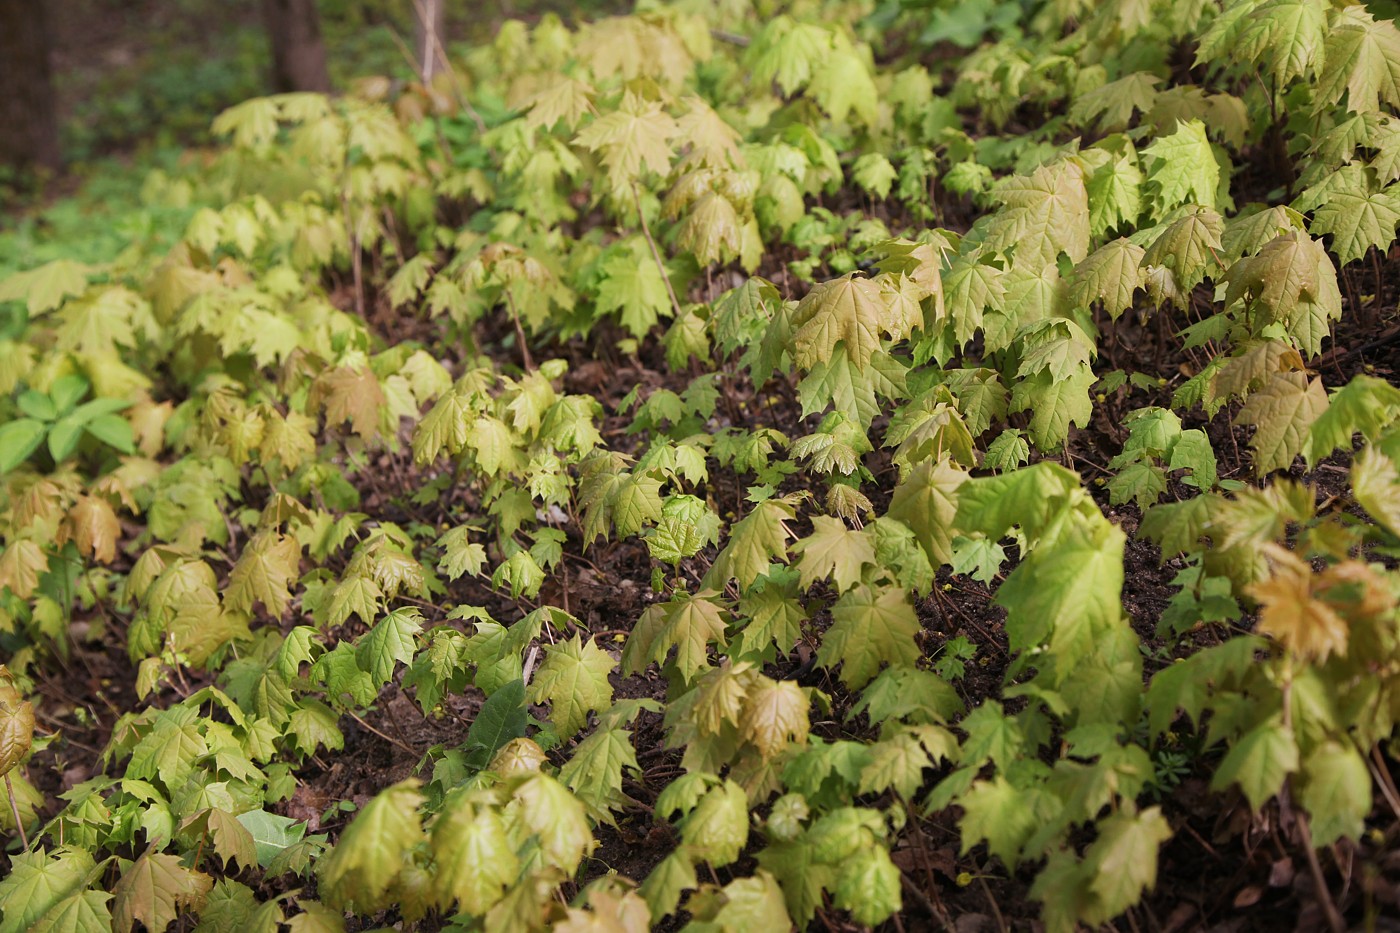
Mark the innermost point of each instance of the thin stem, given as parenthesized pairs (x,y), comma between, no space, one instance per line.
(655,253)
(1324,896)
(14,810)
(388,738)
(519,332)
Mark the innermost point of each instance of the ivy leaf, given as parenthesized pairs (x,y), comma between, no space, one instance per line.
(1282,413)
(872,627)
(392,640)
(154,890)
(574,679)
(264,573)
(373,849)
(1259,762)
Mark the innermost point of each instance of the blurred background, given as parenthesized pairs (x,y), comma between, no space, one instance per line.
(89,79)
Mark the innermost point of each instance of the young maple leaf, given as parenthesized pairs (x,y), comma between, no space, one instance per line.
(475,860)
(757,540)
(373,850)
(1290,611)
(574,679)
(561,98)
(349,394)
(155,889)
(1282,412)
(631,138)
(94,528)
(872,627)
(264,573)
(1182,168)
(834,550)
(1363,60)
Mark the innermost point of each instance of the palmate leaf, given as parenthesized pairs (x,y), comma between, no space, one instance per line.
(154,890)
(1336,792)
(631,138)
(1111,274)
(1122,861)
(1286,36)
(79,912)
(1042,215)
(1363,61)
(1054,404)
(1181,168)
(633,287)
(595,771)
(1111,106)
(1259,762)
(391,641)
(1366,405)
(574,679)
(872,627)
(845,387)
(38,881)
(373,849)
(264,573)
(833,550)
(475,860)
(758,539)
(1282,412)
(1357,217)
(849,310)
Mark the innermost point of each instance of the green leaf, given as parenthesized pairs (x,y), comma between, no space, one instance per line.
(1259,762)
(80,912)
(557,819)
(37,881)
(473,854)
(1366,404)
(501,718)
(868,885)
(718,827)
(871,628)
(46,287)
(373,849)
(1111,274)
(1358,219)
(114,431)
(1282,412)
(1123,860)
(1001,815)
(18,440)
(758,539)
(595,771)
(1042,215)
(1182,169)
(574,679)
(1363,60)
(391,641)
(833,550)
(632,286)
(1336,792)
(264,573)
(154,890)
(272,834)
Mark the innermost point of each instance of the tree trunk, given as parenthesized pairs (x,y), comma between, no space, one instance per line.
(298,56)
(430,40)
(27,109)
